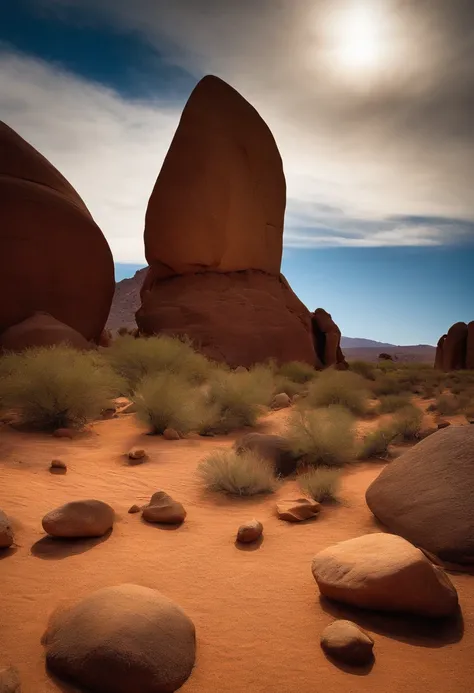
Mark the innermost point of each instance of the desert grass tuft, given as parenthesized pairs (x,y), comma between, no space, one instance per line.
(391,403)
(341,388)
(408,423)
(321,484)
(322,437)
(376,443)
(238,474)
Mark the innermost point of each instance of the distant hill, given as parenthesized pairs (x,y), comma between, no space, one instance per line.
(127,301)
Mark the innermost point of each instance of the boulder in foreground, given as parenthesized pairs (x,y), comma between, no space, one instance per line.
(384,572)
(122,639)
(348,643)
(9,680)
(164,510)
(427,494)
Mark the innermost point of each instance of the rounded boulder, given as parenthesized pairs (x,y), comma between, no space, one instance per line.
(86,518)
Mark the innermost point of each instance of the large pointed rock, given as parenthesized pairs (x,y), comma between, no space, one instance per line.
(427,494)
(214,237)
(53,257)
(327,339)
(470,347)
(454,347)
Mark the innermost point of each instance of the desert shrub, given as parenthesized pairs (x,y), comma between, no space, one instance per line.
(235,400)
(297,371)
(408,423)
(135,359)
(321,484)
(342,388)
(391,403)
(376,443)
(283,384)
(366,370)
(322,437)
(387,384)
(57,387)
(243,474)
(447,404)
(167,400)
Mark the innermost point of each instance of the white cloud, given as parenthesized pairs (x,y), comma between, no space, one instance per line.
(356,155)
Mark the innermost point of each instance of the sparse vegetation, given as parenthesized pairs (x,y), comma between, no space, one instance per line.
(167,400)
(297,371)
(408,423)
(390,403)
(136,359)
(322,437)
(244,474)
(376,443)
(283,384)
(321,484)
(235,400)
(447,404)
(341,388)
(57,387)
(366,370)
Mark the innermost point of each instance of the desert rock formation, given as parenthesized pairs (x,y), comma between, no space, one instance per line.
(214,237)
(455,350)
(53,257)
(327,340)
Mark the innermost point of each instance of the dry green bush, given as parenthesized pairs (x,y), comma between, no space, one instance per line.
(408,423)
(322,437)
(376,443)
(235,400)
(366,370)
(244,474)
(390,403)
(341,388)
(136,359)
(297,371)
(167,400)
(321,484)
(57,387)
(447,404)
(283,384)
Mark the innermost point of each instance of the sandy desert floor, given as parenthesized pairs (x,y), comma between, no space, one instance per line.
(257,611)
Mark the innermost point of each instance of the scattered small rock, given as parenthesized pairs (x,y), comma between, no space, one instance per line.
(86,518)
(297,510)
(348,643)
(6,532)
(109,413)
(134,509)
(137,454)
(65,433)
(281,401)
(443,424)
(171,434)
(163,509)
(249,532)
(58,465)
(9,680)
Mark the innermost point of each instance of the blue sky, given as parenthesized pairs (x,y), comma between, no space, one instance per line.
(380,216)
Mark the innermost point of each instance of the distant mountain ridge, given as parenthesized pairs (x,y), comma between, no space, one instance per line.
(127,301)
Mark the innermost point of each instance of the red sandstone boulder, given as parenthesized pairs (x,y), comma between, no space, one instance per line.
(454,347)
(53,257)
(439,358)
(41,330)
(327,339)
(470,347)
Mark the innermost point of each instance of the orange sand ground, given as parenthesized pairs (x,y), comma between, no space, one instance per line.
(257,612)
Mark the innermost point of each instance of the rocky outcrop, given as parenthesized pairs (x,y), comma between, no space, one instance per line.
(384,572)
(455,350)
(427,494)
(120,639)
(214,237)
(327,340)
(53,257)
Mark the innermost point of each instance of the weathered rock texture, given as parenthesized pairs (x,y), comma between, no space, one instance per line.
(455,350)
(214,238)
(122,639)
(427,494)
(87,518)
(327,340)
(53,257)
(348,643)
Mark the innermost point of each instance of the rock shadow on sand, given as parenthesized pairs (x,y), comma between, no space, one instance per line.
(361,670)
(252,546)
(412,630)
(55,548)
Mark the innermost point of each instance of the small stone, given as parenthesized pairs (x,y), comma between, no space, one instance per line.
(109,413)
(6,532)
(171,434)
(348,643)
(281,401)
(9,680)
(297,510)
(136,454)
(241,369)
(249,532)
(134,509)
(58,464)
(163,509)
(443,424)
(87,518)
(65,433)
